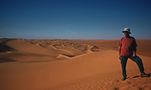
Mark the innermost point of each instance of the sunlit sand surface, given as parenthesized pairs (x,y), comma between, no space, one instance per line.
(69,65)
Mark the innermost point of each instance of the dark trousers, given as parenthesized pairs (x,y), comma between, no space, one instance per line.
(136,59)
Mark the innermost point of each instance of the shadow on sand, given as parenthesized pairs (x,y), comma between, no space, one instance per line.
(137,76)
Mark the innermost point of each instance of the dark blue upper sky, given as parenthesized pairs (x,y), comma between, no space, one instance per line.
(74,19)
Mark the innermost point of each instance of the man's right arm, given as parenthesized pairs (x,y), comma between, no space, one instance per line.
(119,48)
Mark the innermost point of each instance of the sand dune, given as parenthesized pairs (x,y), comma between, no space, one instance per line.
(27,50)
(26,47)
(87,71)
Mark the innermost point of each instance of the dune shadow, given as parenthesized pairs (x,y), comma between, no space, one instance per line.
(4,47)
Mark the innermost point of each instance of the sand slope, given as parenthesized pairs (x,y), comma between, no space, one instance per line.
(92,71)
(24,51)
(26,47)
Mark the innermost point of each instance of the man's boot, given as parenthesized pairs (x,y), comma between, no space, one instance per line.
(144,75)
(124,78)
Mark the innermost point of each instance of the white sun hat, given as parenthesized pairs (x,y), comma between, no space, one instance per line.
(126,30)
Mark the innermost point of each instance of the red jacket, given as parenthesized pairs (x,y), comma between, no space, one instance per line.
(127,46)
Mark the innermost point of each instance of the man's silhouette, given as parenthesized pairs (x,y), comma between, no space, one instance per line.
(127,49)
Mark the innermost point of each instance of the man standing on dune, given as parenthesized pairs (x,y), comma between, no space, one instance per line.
(127,49)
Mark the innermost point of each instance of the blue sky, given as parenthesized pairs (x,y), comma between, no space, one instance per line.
(74,19)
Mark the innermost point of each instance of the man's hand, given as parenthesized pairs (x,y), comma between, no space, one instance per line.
(120,57)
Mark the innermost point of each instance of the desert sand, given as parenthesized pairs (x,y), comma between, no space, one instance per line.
(69,65)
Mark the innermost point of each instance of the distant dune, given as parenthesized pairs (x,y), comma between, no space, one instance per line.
(69,65)
(51,50)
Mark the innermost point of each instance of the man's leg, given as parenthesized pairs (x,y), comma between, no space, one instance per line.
(123,65)
(139,63)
